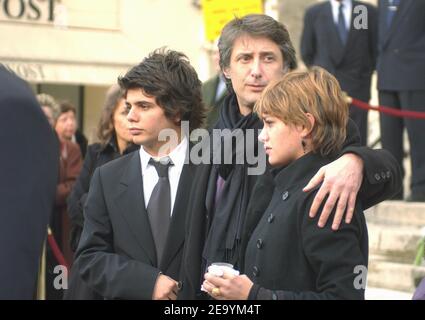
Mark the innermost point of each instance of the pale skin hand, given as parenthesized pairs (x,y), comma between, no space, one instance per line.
(342,179)
(231,287)
(165,288)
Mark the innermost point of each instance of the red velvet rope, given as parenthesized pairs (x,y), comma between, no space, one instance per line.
(388,110)
(55,249)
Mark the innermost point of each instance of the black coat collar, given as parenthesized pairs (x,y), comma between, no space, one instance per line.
(299,170)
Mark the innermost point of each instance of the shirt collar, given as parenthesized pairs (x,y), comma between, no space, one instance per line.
(177,156)
(347,4)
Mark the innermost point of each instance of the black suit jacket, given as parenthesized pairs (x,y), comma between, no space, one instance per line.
(116,255)
(352,64)
(401,61)
(28,177)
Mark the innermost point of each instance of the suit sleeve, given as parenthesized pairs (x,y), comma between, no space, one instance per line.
(112,275)
(382,174)
(335,258)
(308,39)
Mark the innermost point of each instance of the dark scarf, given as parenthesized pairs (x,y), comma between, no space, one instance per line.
(224,235)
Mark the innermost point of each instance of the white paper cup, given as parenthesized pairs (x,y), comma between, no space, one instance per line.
(218,269)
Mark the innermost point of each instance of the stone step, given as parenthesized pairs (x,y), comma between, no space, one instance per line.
(393,276)
(396,243)
(372,293)
(398,213)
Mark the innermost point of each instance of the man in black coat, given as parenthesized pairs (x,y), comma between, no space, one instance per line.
(28,177)
(255,50)
(401,82)
(128,248)
(339,39)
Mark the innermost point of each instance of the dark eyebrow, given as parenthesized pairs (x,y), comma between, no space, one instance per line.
(240,54)
(267,53)
(140,103)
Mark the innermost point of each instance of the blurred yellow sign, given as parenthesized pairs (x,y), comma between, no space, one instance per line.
(218,12)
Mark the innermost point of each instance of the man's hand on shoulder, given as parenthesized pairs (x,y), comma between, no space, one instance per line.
(342,179)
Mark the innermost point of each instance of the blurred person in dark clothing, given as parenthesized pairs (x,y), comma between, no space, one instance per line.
(115,140)
(67,128)
(28,177)
(70,163)
(401,83)
(331,40)
(214,91)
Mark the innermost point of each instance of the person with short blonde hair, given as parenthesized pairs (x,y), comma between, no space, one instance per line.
(315,92)
(285,255)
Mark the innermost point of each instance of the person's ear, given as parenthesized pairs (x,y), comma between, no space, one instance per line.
(177,119)
(307,129)
(226,73)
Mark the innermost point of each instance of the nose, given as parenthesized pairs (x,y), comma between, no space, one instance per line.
(263,137)
(256,68)
(131,116)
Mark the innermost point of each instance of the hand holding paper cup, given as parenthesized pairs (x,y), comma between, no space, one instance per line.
(219,268)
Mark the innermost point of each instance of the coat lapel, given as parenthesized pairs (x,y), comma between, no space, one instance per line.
(176,233)
(131,203)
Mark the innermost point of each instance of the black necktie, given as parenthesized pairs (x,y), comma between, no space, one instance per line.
(159,206)
(342,28)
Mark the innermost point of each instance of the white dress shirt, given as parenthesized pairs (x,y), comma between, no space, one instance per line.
(347,9)
(150,176)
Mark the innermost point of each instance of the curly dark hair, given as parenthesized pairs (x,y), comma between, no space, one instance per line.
(168,76)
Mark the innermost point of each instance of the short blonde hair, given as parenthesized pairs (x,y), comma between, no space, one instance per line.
(316,92)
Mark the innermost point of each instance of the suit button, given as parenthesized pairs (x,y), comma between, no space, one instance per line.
(255,271)
(388,174)
(377,177)
(285,195)
(270,218)
(259,243)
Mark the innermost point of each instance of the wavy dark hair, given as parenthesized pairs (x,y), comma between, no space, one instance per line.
(255,25)
(168,76)
(105,128)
